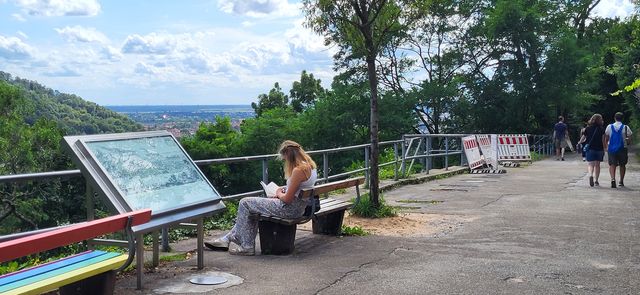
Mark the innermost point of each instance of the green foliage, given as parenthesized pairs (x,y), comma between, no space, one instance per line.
(226,220)
(354,231)
(275,99)
(365,208)
(305,92)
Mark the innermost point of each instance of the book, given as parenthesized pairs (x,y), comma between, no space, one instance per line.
(270,189)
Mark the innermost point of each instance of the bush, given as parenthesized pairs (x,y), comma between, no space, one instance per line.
(354,231)
(365,208)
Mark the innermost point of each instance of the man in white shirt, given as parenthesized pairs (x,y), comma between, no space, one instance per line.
(617,136)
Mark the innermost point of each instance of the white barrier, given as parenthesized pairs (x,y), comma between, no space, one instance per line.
(513,147)
(472,151)
(489,149)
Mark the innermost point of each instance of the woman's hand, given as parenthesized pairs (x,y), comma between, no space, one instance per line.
(280,192)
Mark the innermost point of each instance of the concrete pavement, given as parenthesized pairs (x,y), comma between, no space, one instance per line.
(535,230)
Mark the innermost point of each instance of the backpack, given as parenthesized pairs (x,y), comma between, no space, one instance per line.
(616,142)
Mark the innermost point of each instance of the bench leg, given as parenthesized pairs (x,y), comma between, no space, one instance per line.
(103,283)
(276,238)
(330,224)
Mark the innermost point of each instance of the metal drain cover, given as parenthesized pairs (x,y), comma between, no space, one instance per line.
(208,280)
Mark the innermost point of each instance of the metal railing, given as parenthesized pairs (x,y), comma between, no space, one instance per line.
(541,144)
(448,146)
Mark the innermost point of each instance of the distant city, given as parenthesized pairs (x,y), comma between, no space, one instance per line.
(183,120)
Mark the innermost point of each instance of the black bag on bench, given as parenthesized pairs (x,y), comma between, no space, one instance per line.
(307,210)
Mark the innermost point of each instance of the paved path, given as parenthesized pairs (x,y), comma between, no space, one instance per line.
(535,230)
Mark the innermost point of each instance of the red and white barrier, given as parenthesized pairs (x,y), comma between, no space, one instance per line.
(489,149)
(513,147)
(472,151)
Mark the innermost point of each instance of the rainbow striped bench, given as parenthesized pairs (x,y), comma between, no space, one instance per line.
(90,272)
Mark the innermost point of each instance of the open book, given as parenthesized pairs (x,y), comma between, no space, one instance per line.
(270,189)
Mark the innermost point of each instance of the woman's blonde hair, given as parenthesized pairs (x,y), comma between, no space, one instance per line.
(293,155)
(596,119)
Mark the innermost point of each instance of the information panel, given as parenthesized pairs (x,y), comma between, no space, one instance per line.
(152,173)
(145,170)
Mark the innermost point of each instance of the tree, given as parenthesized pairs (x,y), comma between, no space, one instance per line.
(361,28)
(305,92)
(275,99)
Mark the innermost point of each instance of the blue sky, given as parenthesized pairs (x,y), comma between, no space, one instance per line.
(168,52)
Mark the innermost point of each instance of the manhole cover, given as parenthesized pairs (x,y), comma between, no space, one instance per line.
(208,280)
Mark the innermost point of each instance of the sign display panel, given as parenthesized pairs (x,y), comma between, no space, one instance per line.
(142,170)
(152,172)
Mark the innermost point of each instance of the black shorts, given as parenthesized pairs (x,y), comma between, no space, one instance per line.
(619,158)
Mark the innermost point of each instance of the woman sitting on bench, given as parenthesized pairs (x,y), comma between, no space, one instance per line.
(300,172)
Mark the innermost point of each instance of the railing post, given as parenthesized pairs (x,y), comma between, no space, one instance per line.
(325,167)
(404,160)
(395,161)
(366,166)
(462,155)
(165,240)
(429,143)
(200,238)
(446,153)
(265,171)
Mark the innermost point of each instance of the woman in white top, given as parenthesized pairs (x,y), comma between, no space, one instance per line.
(300,172)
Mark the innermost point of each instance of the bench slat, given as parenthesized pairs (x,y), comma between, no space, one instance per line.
(332,186)
(334,207)
(46,267)
(63,276)
(53,239)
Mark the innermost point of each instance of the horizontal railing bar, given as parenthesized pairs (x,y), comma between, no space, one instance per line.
(109,242)
(39,176)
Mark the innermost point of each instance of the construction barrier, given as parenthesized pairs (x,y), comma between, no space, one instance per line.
(489,149)
(472,151)
(513,147)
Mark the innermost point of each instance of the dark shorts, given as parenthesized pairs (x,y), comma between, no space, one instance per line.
(560,143)
(595,155)
(619,158)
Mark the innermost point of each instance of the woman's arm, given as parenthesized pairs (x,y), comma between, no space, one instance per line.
(297,177)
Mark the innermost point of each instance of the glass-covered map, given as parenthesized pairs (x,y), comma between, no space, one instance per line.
(152,172)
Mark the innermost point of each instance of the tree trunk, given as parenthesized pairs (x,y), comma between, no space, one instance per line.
(373,175)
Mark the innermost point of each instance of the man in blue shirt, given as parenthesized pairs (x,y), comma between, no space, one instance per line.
(617,137)
(560,135)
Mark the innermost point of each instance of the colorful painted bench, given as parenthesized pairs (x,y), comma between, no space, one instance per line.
(277,235)
(90,272)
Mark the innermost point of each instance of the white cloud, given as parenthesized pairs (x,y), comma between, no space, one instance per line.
(82,34)
(303,38)
(149,44)
(63,71)
(614,8)
(22,35)
(18,17)
(60,7)
(12,48)
(112,53)
(259,8)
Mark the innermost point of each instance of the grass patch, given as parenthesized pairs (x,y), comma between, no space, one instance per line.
(354,231)
(433,202)
(535,156)
(338,191)
(365,208)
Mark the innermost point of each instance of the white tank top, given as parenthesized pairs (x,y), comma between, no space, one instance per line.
(309,183)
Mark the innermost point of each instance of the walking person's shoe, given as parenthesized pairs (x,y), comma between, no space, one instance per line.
(613,184)
(235,249)
(591,181)
(597,183)
(562,159)
(621,184)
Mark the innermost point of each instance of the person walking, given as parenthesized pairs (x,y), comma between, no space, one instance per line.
(594,146)
(617,137)
(582,143)
(560,135)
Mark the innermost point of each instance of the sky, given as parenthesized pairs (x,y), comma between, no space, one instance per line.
(145,52)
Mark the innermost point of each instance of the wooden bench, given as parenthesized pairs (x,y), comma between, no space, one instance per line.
(277,235)
(89,272)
